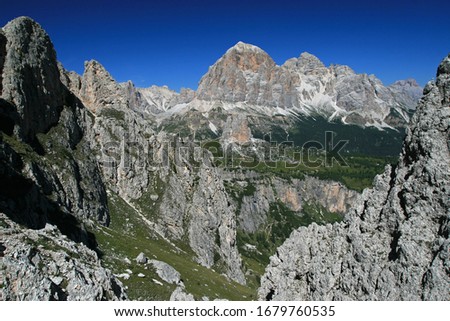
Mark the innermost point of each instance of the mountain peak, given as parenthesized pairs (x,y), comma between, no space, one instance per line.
(98,87)
(234,77)
(410,82)
(245,47)
(443,79)
(23,20)
(247,57)
(28,60)
(309,61)
(444,66)
(408,87)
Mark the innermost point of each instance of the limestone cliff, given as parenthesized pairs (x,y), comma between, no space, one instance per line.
(47,170)
(30,77)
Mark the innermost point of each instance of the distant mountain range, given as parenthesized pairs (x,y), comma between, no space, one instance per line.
(246,88)
(246,77)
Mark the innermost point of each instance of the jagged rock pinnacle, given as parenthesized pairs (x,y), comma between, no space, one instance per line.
(30,62)
(443,80)
(308,61)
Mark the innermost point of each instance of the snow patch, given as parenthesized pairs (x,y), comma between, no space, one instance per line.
(213,128)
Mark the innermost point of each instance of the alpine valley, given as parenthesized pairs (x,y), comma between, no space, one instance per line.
(267,182)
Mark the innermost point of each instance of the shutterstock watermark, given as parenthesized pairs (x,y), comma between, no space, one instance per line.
(178,151)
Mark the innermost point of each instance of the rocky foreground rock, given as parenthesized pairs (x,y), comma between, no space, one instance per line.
(45,265)
(394,243)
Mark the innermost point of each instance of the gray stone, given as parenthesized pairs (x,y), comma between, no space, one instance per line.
(179,294)
(166,272)
(141,258)
(124,276)
(30,77)
(59,274)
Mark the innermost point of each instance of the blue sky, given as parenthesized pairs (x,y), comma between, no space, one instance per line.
(174,42)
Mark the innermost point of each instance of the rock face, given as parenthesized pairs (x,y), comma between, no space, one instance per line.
(410,90)
(394,243)
(213,225)
(238,75)
(48,172)
(236,130)
(30,77)
(39,112)
(252,213)
(45,265)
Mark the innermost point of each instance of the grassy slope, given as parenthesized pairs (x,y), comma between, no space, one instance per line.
(128,235)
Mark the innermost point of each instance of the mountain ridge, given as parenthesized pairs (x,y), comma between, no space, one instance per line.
(300,87)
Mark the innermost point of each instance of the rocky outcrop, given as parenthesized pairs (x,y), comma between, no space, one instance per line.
(45,265)
(44,151)
(120,135)
(179,294)
(3,42)
(394,243)
(98,88)
(141,259)
(212,226)
(49,175)
(30,77)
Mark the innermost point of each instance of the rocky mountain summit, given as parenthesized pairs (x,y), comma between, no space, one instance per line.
(410,88)
(305,86)
(246,77)
(394,242)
